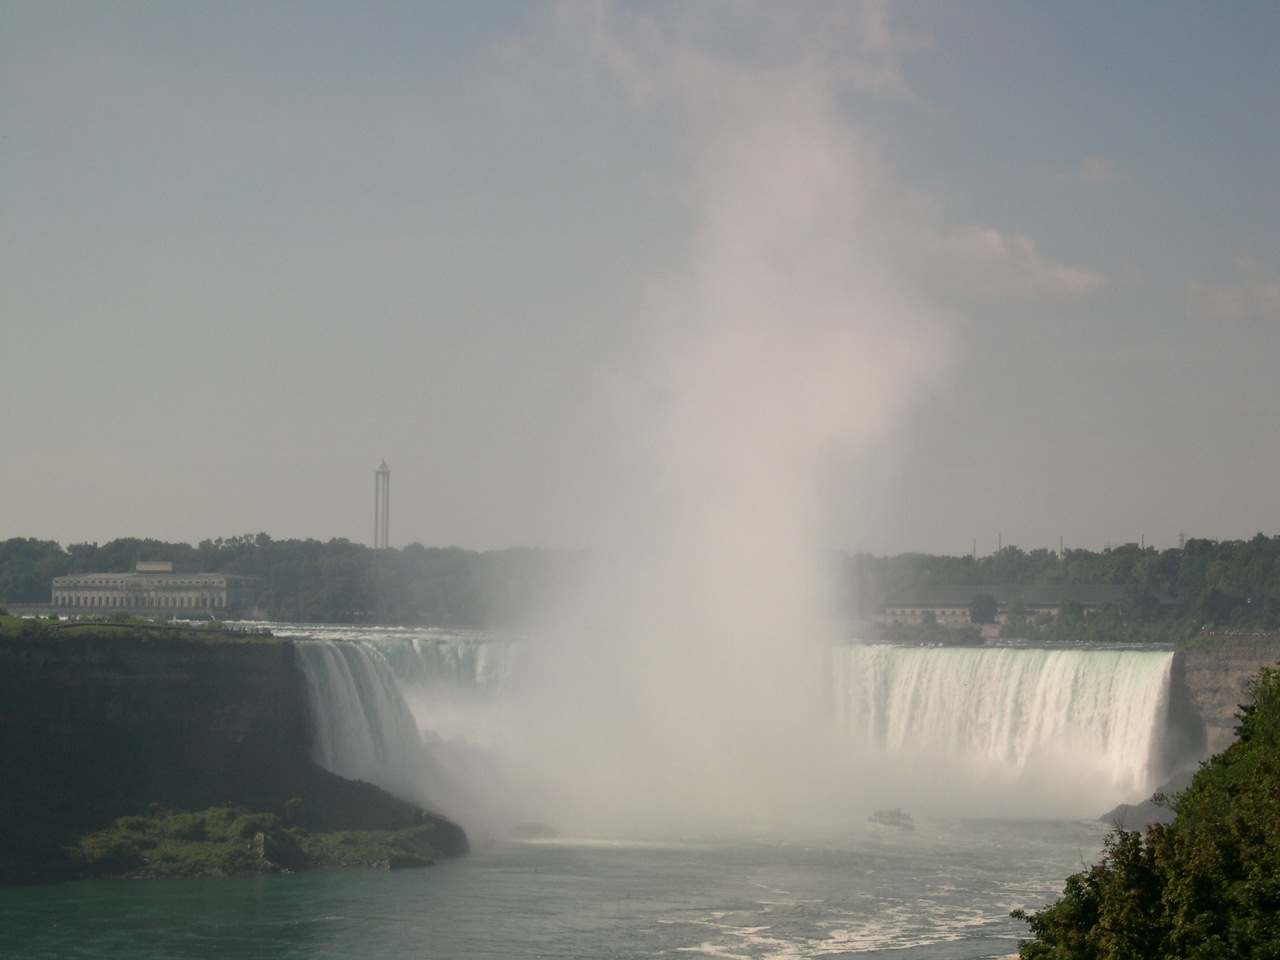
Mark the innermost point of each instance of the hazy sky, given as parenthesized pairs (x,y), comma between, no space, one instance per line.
(946,271)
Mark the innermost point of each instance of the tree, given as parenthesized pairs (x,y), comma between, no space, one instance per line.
(983,609)
(1015,620)
(1070,614)
(1217,607)
(1205,887)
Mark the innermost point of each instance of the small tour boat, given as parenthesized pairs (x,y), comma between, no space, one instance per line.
(893,818)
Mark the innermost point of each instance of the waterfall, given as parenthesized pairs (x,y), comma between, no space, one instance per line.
(453,723)
(405,711)
(1072,721)
(362,727)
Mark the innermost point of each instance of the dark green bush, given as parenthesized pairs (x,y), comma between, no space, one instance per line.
(111,852)
(1205,887)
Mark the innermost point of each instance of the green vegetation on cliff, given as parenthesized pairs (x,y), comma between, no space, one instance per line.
(223,841)
(1204,887)
(123,627)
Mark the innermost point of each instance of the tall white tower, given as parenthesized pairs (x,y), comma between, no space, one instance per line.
(381,506)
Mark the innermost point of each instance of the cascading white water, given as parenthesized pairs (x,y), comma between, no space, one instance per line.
(951,731)
(1047,724)
(406,712)
(362,727)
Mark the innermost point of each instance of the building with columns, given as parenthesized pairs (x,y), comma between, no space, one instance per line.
(155,588)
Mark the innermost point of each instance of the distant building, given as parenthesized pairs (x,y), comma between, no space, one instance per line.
(950,603)
(154,587)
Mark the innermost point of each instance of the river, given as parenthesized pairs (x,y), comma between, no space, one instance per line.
(941,892)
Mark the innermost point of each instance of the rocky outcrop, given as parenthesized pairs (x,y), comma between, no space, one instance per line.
(1139,816)
(1216,679)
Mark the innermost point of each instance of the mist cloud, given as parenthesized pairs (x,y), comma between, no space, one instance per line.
(685,681)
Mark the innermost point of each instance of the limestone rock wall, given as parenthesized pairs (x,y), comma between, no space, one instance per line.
(105,719)
(1216,683)
(98,724)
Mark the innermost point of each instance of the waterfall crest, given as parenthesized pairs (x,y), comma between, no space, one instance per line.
(362,727)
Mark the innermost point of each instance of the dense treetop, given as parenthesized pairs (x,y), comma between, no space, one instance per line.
(1205,887)
(1215,585)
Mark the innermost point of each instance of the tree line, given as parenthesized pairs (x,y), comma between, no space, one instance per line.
(1218,585)
(1227,585)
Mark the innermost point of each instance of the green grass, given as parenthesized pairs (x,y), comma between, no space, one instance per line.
(224,841)
(122,626)
(1212,640)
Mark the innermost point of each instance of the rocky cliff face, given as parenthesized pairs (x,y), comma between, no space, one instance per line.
(95,725)
(1217,682)
(115,714)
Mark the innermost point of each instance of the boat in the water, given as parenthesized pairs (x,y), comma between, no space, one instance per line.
(893,818)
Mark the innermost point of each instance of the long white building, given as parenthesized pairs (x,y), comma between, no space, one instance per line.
(155,587)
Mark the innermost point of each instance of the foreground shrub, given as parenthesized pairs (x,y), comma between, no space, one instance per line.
(1205,887)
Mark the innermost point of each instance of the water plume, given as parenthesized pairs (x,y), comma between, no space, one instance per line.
(682,681)
(687,680)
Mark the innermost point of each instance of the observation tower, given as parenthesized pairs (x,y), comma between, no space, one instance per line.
(381,506)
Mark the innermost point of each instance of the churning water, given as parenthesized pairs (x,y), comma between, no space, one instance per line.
(942,892)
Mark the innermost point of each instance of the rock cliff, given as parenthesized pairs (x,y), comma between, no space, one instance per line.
(1216,679)
(96,724)
(108,717)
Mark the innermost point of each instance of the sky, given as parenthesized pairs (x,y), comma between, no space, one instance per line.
(915,277)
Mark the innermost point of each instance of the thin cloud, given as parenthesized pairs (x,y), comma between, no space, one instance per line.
(601,49)
(986,262)
(1094,172)
(1255,294)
